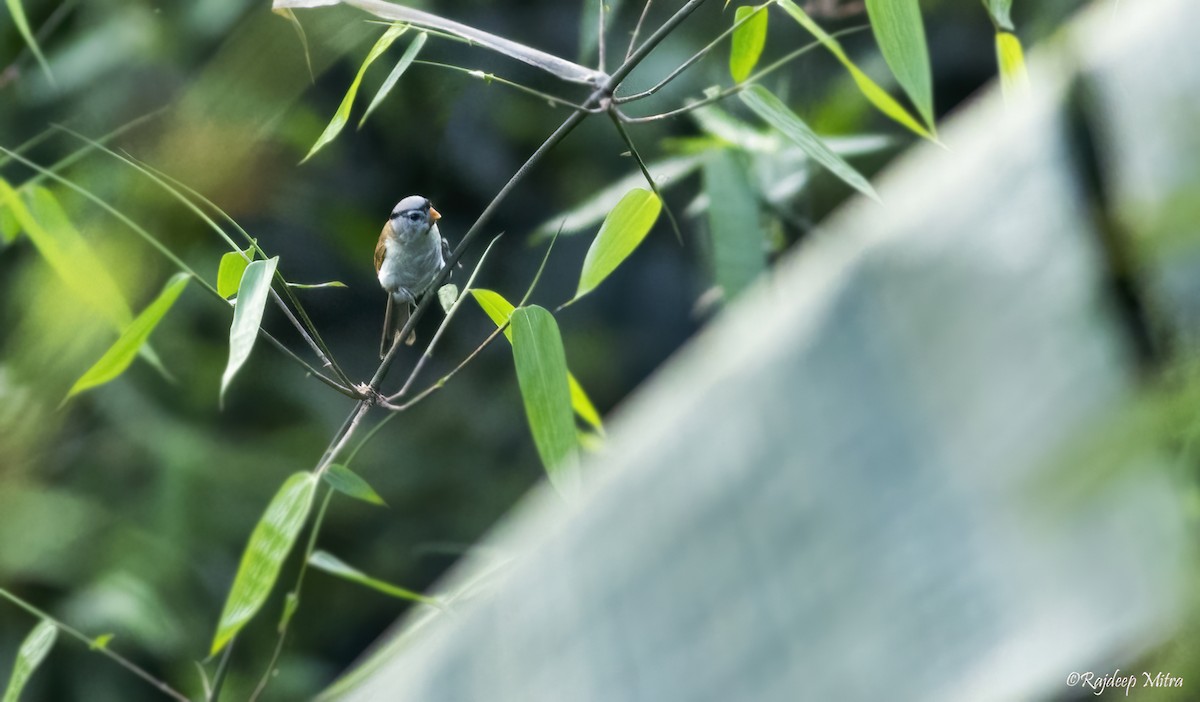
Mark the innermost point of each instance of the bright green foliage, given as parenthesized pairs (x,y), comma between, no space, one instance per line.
(247,316)
(229,273)
(343,111)
(1014,79)
(18,15)
(349,483)
(901,35)
(329,563)
(121,354)
(317,286)
(623,229)
(738,240)
(748,42)
(870,89)
(542,375)
(9,227)
(29,656)
(410,54)
(772,109)
(101,642)
(1001,12)
(269,544)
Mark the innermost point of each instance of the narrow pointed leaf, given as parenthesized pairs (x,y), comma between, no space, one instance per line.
(398,13)
(269,545)
(118,357)
(901,36)
(499,310)
(542,375)
(292,19)
(329,563)
(101,642)
(10,228)
(343,111)
(247,316)
(410,54)
(1014,79)
(351,484)
(870,89)
(623,229)
(229,272)
(748,42)
(18,16)
(775,113)
(738,240)
(30,655)
(318,286)
(1001,12)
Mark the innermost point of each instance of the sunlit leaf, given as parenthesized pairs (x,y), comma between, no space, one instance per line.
(901,36)
(748,42)
(247,316)
(269,545)
(870,89)
(623,229)
(229,273)
(775,113)
(329,563)
(1014,79)
(1001,12)
(317,286)
(343,111)
(398,13)
(738,241)
(351,484)
(101,642)
(10,228)
(29,656)
(542,376)
(118,357)
(410,54)
(499,310)
(22,23)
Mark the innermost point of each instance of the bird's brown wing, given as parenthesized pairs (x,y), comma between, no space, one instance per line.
(381,247)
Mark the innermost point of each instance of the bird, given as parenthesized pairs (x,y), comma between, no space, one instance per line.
(409,255)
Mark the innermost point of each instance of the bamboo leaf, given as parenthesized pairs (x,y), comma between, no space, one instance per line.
(1014,79)
(343,111)
(100,642)
(18,15)
(398,13)
(118,357)
(410,54)
(748,42)
(1001,12)
(318,286)
(329,563)
(775,113)
(351,484)
(870,89)
(738,239)
(268,546)
(901,36)
(247,316)
(542,376)
(499,310)
(291,18)
(30,655)
(229,272)
(623,229)
(10,228)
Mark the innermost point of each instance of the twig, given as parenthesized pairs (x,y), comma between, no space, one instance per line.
(446,378)
(214,695)
(637,28)
(492,77)
(616,120)
(600,35)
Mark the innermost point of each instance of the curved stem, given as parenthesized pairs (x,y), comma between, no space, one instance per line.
(492,77)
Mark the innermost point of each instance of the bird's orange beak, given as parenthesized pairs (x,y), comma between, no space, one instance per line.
(434,214)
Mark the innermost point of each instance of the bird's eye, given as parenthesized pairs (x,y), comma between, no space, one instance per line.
(413,216)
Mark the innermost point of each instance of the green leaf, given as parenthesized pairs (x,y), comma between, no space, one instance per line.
(29,656)
(738,239)
(269,545)
(499,310)
(542,375)
(229,273)
(10,228)
(775,113)
(291,18)
(410,54)
(1014,79)
(343,111)
(100,642)
(1001,12)
(67,253)
(748,42)
(19,19)
(318,286)
(349,483)
(447,296)
(247,316)
(118,357)
(329,563)
(901,36)
(870,89)
(623,229)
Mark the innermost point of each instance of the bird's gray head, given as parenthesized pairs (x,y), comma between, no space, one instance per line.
(413,215)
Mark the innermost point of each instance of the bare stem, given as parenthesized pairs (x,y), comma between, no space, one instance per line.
(600,35)
(637,28)
(491,77)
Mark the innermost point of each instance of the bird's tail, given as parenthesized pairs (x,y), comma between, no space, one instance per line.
(394,320)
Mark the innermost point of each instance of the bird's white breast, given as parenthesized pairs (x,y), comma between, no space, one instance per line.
(410,266)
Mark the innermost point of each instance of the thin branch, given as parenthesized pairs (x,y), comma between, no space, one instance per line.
(600,35)
(637,28)
(214,695)
(124,662)
(541,267)
(616,120)
(492,77)
(446,378)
